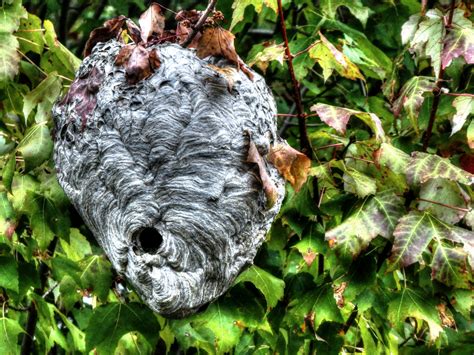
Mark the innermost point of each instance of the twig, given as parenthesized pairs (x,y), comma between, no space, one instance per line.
(444,205)
(305,144)
(437,89)
(458,94)
(424,4)
(210,7)
(331,146)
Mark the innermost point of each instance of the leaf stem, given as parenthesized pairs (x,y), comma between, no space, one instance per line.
(305,144)
(438,87)
(444,205)
(458,94)
(210,7)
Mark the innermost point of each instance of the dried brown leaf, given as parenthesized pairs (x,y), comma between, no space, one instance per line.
(139,63)
(217,41)
(292,164)
(152,22)
(228,73)
(111,29)
(268,185)
(134,31)
(309,255)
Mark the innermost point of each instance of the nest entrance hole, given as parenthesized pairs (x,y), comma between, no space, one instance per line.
(147,240)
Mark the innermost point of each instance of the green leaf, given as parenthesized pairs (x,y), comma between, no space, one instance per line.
(8,171)
(10,329)
(450,266)
(462,301)
(411,97)
(9,57)
(7,217)
(42,97)
(330,59)
(36,147)
(411,303)
(30,35)
(78,247)
(459,40)
(239,7)
(358,183)
(427,41)
(338,118)
(424,166)
(446,193)
(377,215)
(361,12)
(470,135)
(464,106)
(271,287)
(409,28)
(111,321)
(414,234)
(393,158)
(9,274)
(269,53)
(318,302)
(10,16)
(97,275)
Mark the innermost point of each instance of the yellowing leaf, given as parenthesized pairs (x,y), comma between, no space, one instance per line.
(377,215)
(239,7)
(9,57)
(330,59)
(270,53)
(338,118)
(293,165)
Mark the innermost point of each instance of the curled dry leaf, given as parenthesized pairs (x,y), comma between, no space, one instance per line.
(227,73)
(293,165)
(111,29)
(268,186)
(152,22)
(139,63)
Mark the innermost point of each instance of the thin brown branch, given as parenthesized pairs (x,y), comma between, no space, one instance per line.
(424,5)
(305,144)
(458,94)
(306,49)
(197,27)
(444,205)
(437,90)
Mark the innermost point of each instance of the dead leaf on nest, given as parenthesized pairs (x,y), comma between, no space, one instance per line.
(292,164)
(228,73)
(139,63)
(268,185)
(152,22)
(217,41)
(111,29)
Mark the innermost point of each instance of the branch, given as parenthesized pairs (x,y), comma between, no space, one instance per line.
(210,7)
(445,205)
(437,89)
(304,140)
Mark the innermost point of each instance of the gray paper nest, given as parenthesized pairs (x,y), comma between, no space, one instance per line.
(158,170)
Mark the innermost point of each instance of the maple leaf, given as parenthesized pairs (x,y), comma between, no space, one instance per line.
(459,41)
(330,59)
(216,41)
(152,22)
(239,7)
(411,97)
(111,29)
(270,53)
(293,165)
(269,187)
(338,118)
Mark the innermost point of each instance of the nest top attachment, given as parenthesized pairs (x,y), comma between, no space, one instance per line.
(159,169)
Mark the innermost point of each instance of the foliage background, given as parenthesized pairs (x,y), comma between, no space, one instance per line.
(374,254)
